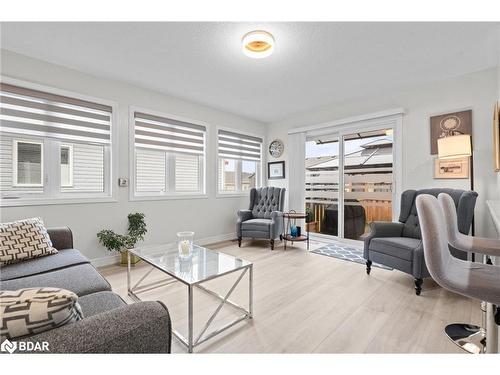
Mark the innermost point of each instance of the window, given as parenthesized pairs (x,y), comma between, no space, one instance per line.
(151,168)
(85,168)
(53,146)
(187,173)
(227,174)
(66,166)
(239,162)
(169,156)
(28,163)
(248,174)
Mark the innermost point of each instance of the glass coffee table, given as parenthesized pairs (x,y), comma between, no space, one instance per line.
(202,265)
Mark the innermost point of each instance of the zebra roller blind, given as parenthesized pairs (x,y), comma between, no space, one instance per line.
(161,133)
(233,145)
(25,111)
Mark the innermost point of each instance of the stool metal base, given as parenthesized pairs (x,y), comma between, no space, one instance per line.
(469,337)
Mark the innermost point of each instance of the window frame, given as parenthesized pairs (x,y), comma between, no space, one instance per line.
(238,167)
(52,191)
(170,193)
(15,155)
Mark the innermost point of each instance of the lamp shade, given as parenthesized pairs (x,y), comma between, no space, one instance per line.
(456,146)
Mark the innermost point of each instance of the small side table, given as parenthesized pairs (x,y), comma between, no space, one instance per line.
(287,218)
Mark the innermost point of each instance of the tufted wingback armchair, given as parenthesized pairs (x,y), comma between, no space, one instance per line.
(399,244)
(264,217)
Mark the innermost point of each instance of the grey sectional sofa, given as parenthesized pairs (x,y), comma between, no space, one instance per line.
(109,324)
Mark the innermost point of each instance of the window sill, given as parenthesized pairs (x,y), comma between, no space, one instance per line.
(233,195)
(138,198)
(45,202)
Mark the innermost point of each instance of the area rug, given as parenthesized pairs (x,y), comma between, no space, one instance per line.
(345,252)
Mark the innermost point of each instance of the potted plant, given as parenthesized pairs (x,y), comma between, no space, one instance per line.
(122,242)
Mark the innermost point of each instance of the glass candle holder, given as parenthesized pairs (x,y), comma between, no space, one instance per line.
(185,244)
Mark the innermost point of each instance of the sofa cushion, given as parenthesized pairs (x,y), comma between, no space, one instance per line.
(81,279)
(30,311)
(64,258)
(96,303)
(256,225)
(24,239)
(399,247)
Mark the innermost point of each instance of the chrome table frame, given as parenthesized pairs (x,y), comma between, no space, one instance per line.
(190,342)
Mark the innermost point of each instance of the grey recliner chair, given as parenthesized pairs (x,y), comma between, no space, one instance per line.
(399,244)
(264,217)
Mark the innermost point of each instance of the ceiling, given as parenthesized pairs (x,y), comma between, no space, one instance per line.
(314,64)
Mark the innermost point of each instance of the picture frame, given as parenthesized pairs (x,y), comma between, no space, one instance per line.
(449,124)
(496,138)
(276,170)
(451,168)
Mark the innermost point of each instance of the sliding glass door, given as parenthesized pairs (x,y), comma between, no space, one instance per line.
(368,180)
(322,184)
(362,164)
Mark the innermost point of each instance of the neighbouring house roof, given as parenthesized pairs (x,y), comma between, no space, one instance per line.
(373,154)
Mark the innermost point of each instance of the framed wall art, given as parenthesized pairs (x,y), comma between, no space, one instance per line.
(276,170)
(451,168)
(450,124)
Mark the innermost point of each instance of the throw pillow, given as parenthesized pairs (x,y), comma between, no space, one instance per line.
(29,311)
(24,239)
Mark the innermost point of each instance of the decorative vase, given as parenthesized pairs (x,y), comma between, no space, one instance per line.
(133,259)
(293,231)
(185,244)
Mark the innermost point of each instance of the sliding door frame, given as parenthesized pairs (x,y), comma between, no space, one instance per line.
(392,119)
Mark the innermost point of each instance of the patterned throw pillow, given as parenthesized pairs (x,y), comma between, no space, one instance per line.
(29,311)
(24,239)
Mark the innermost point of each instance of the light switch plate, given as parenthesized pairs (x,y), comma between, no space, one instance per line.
(123,182)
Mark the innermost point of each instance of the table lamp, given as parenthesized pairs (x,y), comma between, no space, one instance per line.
(458,146)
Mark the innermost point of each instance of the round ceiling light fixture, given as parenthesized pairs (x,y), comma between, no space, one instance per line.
(257,44)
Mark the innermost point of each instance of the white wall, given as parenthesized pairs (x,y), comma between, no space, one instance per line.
(498,98)
(477,91)
(207,217)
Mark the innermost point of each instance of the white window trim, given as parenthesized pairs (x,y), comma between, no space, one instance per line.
(15,143)
(237,193)
(70,164)
(111,155)
(170,194)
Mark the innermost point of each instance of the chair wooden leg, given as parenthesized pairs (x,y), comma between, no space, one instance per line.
(272,244)
(368,266)
(418,286)
(239,241)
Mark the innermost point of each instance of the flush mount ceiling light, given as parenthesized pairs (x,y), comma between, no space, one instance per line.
(257,44)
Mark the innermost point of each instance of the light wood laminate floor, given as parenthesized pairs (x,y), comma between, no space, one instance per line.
(310,303)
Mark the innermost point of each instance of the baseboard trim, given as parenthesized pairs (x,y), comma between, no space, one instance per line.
(115,259)
(215,239)
(106,261)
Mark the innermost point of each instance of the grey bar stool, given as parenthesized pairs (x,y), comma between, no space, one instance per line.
(475,280)
(483,340)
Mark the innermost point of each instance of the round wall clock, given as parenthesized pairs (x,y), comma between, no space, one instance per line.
(276,148)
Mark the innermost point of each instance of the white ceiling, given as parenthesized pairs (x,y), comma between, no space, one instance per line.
(314,64)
